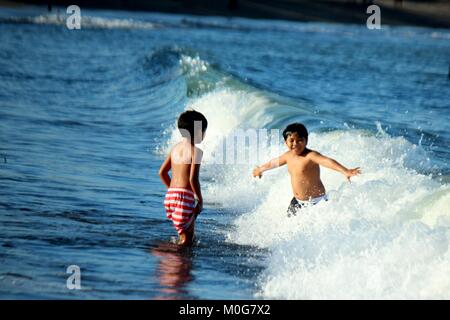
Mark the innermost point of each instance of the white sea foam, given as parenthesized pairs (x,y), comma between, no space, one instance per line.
(193,65)
(86,22)
(385,235)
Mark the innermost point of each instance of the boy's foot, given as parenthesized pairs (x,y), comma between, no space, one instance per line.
(186,239)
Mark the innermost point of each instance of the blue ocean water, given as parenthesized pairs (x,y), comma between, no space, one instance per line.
(86,118)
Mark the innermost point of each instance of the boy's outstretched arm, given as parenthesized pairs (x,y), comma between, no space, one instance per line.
(333,164)
(164,170)
(274,163)
(194,178)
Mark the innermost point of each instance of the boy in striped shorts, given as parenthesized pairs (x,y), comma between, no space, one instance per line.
(184,187)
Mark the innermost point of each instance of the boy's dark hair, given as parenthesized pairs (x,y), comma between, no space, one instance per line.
(187,120)
(298,128)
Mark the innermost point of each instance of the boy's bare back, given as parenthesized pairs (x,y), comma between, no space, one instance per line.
(183,187)
(183,156)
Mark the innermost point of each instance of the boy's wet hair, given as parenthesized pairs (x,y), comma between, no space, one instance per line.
(187,120)
(298,128)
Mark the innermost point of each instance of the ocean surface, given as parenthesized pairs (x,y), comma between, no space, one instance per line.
(87,117)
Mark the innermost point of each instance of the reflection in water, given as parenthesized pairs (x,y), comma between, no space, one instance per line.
(174,270)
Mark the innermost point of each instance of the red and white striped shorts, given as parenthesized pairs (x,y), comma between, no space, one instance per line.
(179,204)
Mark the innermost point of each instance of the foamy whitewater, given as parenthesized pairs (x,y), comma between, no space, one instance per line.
(87,117)
(385,235)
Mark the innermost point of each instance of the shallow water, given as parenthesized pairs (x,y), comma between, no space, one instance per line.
(87,117)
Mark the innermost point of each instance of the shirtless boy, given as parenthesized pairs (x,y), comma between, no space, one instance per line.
(304,168)
(183,187)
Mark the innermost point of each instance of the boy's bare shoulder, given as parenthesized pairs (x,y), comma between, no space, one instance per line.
(286,156)
(288,153)
(176,150)
(311,153)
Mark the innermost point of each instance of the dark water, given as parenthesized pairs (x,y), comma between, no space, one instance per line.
(84,115)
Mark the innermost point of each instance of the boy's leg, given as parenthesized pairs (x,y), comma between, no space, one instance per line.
(186,237)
